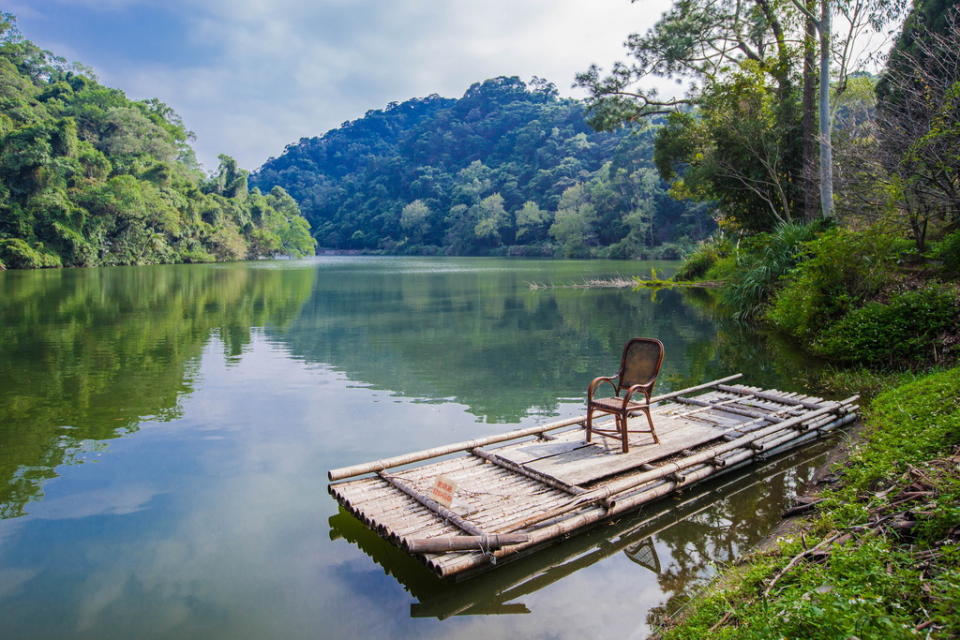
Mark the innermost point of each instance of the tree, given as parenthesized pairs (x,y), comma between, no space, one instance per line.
(492,218)
(531,221)
(573,226)
(918,125)
(415,219)
(712,41)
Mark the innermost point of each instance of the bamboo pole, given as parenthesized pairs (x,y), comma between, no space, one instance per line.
(594,513)
(766,395)
(435,452)
(529,473)
(463,543)
(707,406)
(450,516)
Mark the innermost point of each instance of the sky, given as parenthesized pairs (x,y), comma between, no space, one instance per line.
(249,77)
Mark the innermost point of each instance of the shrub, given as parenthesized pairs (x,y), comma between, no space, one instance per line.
(837,272)
(907,328)
(196,256)
(17,254)
(762,262)
(704,256)
(948,252)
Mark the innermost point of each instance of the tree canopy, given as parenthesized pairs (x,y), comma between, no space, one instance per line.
(744,133)
(507,169)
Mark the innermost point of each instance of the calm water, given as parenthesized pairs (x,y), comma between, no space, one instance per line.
(165,434)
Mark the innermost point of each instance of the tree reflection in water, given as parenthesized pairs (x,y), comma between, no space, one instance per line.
(87,354)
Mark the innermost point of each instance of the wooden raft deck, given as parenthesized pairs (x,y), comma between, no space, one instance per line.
(545,482)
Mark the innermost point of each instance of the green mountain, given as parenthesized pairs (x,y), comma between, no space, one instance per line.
(508,169)
(89,177)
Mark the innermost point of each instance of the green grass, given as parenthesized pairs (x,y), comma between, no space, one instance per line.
(879,583)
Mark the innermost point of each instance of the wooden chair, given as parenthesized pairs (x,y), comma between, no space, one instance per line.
(639,367)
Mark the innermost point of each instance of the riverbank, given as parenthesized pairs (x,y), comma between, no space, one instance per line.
(879,557)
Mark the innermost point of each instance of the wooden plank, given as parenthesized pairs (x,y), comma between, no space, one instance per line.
(528,452)
(529,473)
(525,452)
(598,461)
(436,452)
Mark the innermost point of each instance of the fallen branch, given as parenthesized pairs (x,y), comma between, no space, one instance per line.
(797,558)
(803,507)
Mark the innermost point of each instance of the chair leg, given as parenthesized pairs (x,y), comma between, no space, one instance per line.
(653,431)
(622,423)
(589,422)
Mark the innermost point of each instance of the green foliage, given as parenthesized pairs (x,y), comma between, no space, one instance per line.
(906,329)
(762,261)
(703,258)
(88,177)
(874,586)
(739,150)
(947,251)
(419,176)
(17,254)
(838,272)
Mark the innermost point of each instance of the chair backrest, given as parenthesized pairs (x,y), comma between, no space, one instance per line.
(640,362)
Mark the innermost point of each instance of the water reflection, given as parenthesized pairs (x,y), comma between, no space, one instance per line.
(237,387)
(677,542)
(86,355)
(485,339)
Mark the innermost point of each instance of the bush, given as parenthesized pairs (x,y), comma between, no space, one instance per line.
(17,254)
(762,262)
(947,251)
(704,256)
(196,256)
(837,272)
(908,328)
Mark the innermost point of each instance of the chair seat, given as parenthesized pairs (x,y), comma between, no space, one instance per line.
(639,368)
(612,405)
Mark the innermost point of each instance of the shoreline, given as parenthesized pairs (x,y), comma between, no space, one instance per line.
(859,519)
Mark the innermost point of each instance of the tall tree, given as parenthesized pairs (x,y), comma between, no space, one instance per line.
(712,41)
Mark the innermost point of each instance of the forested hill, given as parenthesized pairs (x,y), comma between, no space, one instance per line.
(509,168)
(88,177)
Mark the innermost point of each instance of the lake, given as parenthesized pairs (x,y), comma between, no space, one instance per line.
(165,434)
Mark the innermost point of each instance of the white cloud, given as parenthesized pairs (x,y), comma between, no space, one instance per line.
(287,69)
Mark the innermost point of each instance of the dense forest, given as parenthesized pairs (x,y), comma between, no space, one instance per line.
(508,169)
(89,177)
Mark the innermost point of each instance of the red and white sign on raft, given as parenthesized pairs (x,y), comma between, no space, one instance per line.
(443,490)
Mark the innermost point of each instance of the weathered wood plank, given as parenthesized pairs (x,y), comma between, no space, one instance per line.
(599,460)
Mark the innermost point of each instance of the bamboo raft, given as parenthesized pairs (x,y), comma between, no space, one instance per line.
(543,483)
(637,536)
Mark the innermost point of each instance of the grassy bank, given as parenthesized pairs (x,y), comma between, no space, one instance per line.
(879,557)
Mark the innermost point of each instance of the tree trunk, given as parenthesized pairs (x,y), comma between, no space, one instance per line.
(808,122)
(826,149)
